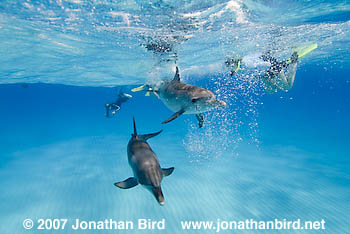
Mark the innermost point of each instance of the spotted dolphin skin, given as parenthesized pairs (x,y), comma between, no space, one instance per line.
(183,98)
(145,166)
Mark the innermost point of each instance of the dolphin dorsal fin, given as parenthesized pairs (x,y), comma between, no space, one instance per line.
(177,75)
(135,132)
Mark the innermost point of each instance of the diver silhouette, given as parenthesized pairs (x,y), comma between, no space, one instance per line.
(114,107)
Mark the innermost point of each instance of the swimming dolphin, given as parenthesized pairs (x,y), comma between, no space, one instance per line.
(145,166)
(183,98)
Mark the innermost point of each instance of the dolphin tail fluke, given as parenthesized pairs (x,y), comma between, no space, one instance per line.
(174,116)
(126,184)
(167,171)
(145,137)
(135,132)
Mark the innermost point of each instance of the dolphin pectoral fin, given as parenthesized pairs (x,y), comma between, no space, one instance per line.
(128,183)
(174,116)
(167,171)
(200,119)
(145,137)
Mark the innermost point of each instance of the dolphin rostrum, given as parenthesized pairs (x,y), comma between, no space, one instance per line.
(145,166)
(183,98)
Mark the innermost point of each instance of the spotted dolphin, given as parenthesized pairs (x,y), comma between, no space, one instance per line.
(145,166)
(183,98)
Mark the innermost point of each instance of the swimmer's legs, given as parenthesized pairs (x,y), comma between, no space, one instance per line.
(287,79)
(290,76)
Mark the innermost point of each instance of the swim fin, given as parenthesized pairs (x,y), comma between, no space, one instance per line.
(147,88)
(234,63)
(141,88)
(152,93)
(302,51)
(238,66)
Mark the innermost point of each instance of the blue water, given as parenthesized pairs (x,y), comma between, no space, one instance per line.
(263,157)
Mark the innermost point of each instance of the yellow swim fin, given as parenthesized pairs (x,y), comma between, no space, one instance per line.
(238,66)
(149,90)
(141,88)
(304,50)
(151,93)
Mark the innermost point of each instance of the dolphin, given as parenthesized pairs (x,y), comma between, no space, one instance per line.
(183,98)
(145,166)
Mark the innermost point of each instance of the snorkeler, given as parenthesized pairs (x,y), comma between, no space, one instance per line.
(279,75)
(234,64)
(115,106)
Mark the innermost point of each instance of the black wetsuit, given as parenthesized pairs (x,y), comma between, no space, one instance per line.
(276,67)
